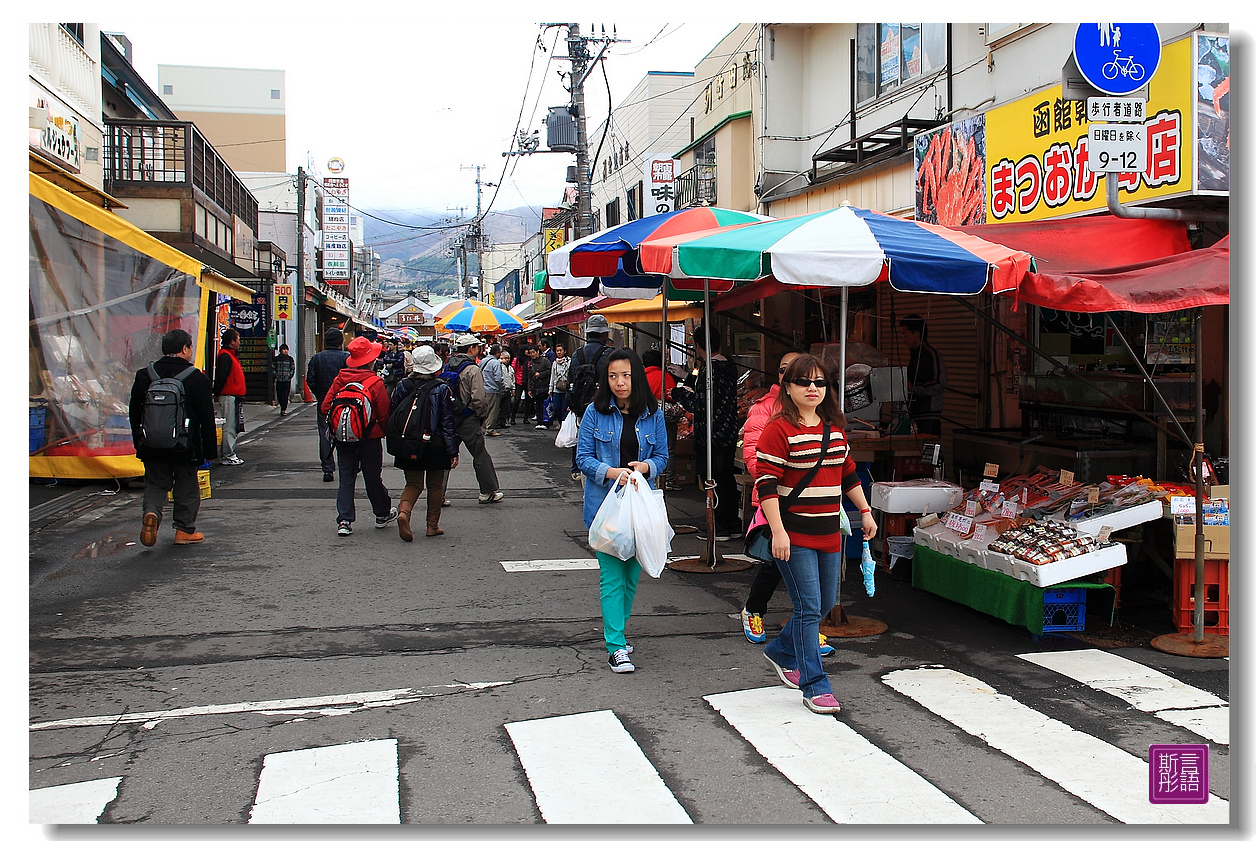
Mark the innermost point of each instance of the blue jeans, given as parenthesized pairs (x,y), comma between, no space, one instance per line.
(812,578)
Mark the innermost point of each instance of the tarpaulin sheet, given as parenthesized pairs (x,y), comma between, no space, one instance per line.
(1194,279)
(1087,243)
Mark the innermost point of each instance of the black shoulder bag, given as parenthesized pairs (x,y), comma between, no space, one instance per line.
(759,539)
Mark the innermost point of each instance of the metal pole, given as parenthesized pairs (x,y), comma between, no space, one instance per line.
(710,389)
(841,379)
(1199,479)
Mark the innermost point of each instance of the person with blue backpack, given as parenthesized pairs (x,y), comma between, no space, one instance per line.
(172,425)
(357,408)
(422,439)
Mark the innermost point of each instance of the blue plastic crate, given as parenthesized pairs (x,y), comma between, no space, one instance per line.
(39,416)
(1063,609)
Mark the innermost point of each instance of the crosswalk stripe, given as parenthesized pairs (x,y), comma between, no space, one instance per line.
(555,565)
(846,775)
(73,803)
(338,784)
(1103,775)
(586,768)
(1143,688)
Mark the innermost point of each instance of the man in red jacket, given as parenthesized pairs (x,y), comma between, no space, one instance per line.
(367,455)
(229,390)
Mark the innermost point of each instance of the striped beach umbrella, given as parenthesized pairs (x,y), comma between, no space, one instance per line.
(480,318)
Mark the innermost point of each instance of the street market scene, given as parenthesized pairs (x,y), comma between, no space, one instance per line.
(341,496)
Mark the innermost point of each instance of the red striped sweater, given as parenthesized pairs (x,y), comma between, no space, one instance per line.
(785,454)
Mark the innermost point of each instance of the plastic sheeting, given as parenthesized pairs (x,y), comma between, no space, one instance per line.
(98,309)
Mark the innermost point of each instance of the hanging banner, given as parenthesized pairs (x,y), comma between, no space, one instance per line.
(336,245)
(659,177)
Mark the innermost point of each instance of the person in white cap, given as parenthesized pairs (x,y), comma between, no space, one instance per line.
(471,408)
(428,453)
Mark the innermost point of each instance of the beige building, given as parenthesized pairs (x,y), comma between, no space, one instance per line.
(241,111)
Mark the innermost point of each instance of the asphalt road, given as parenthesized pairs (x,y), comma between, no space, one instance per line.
(175,679)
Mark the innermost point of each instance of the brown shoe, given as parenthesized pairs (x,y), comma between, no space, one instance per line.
(432,531)
(182,538)
(403,526)
(148,529)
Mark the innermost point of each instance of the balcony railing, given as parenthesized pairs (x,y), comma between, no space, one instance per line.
(696,186)
(160,152)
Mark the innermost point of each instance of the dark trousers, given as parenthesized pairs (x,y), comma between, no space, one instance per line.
(282,389)
(514,405)
(728,502)
(160,477)
(471,432)
(762,588)
(326,448)
(366,458)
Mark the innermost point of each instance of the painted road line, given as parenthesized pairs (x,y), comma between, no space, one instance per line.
(1141,687)
(1101,774)
(847,776)
(323,704)
(338,784)
(585,768)
(73,803)
(556,565)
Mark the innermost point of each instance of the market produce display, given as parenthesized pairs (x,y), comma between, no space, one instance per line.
(1042,543)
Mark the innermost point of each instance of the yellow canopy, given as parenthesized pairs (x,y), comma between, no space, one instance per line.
(631,312)
(215,282)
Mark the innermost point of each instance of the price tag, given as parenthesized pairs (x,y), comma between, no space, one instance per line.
(979,533)
(991,471)
(1105,534)
(992,487)
(958,522)
(1092,495)
(1009,508)
(927,520)
(1181,505)
(1066,477)
(972,508)
(1024,496)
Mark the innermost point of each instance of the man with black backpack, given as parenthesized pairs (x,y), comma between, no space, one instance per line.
(357,408)
(585,364)
(172,425)
(466,380)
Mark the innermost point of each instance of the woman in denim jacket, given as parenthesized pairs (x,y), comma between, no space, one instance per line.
(623,432)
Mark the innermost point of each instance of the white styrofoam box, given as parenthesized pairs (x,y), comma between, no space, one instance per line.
(948,543)
(1056,572)
(928,536)
(998,562)
(897,498)
(973,552)
(1121,519)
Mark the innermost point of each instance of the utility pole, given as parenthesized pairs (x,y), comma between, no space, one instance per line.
(298,300)
(476,233)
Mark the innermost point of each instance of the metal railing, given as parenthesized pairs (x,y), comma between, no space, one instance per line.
(696,186)
(162,152)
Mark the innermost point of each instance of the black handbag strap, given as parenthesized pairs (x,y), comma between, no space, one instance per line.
(811,474)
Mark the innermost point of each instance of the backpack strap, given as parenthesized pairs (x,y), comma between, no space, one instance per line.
(181,376)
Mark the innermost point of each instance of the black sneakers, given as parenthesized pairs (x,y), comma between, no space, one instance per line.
(620,664)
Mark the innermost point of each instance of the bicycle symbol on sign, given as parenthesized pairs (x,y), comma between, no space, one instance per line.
(1125,66)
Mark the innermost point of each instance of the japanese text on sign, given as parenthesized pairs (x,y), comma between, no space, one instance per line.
(1112,110)
(959,522)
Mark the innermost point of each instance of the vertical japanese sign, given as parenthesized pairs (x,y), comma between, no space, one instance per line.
(659,177)
(336,247)
(1037,149)
(283,301)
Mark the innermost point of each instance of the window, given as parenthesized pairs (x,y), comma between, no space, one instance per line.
(888,55)
(75,31)
(634,201)
(612,213)
(705,153)
(274,93)
(167,90)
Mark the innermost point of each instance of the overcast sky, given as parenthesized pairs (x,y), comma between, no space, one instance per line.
(407,101)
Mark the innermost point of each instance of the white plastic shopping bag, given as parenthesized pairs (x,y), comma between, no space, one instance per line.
(611,530)
(568,432)
(650,529)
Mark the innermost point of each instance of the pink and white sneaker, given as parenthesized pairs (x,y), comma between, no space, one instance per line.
(825,704)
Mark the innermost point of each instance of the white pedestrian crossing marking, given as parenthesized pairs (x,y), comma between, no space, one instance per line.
(846,775)
(340,784)
(1103,775)
(586,768)
(73,803)
(1143,688)
(555,565)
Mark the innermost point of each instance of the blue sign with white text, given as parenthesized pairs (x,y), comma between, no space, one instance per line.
(1117,58)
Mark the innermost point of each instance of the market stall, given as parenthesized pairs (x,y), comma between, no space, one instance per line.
(102,294)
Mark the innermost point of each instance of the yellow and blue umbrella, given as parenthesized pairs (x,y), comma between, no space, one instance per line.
(480,318)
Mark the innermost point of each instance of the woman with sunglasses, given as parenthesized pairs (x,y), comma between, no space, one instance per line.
(621,431)
(805,438)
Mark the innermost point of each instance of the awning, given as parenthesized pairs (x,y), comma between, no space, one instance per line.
(524,311)
(574,311)
(538,281)
(1180,281)
(631,312)
(72,183)
(1087,243)
(215,282)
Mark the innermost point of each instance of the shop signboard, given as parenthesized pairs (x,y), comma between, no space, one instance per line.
(1032,157)
(336,231)
(659,176)
(53,130)
(283,301)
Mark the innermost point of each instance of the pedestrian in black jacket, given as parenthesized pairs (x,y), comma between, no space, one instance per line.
(319,375)
(175,470)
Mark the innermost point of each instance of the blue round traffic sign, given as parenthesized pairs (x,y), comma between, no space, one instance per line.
(1117,58)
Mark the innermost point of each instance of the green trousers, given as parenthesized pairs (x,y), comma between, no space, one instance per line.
(619,587)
